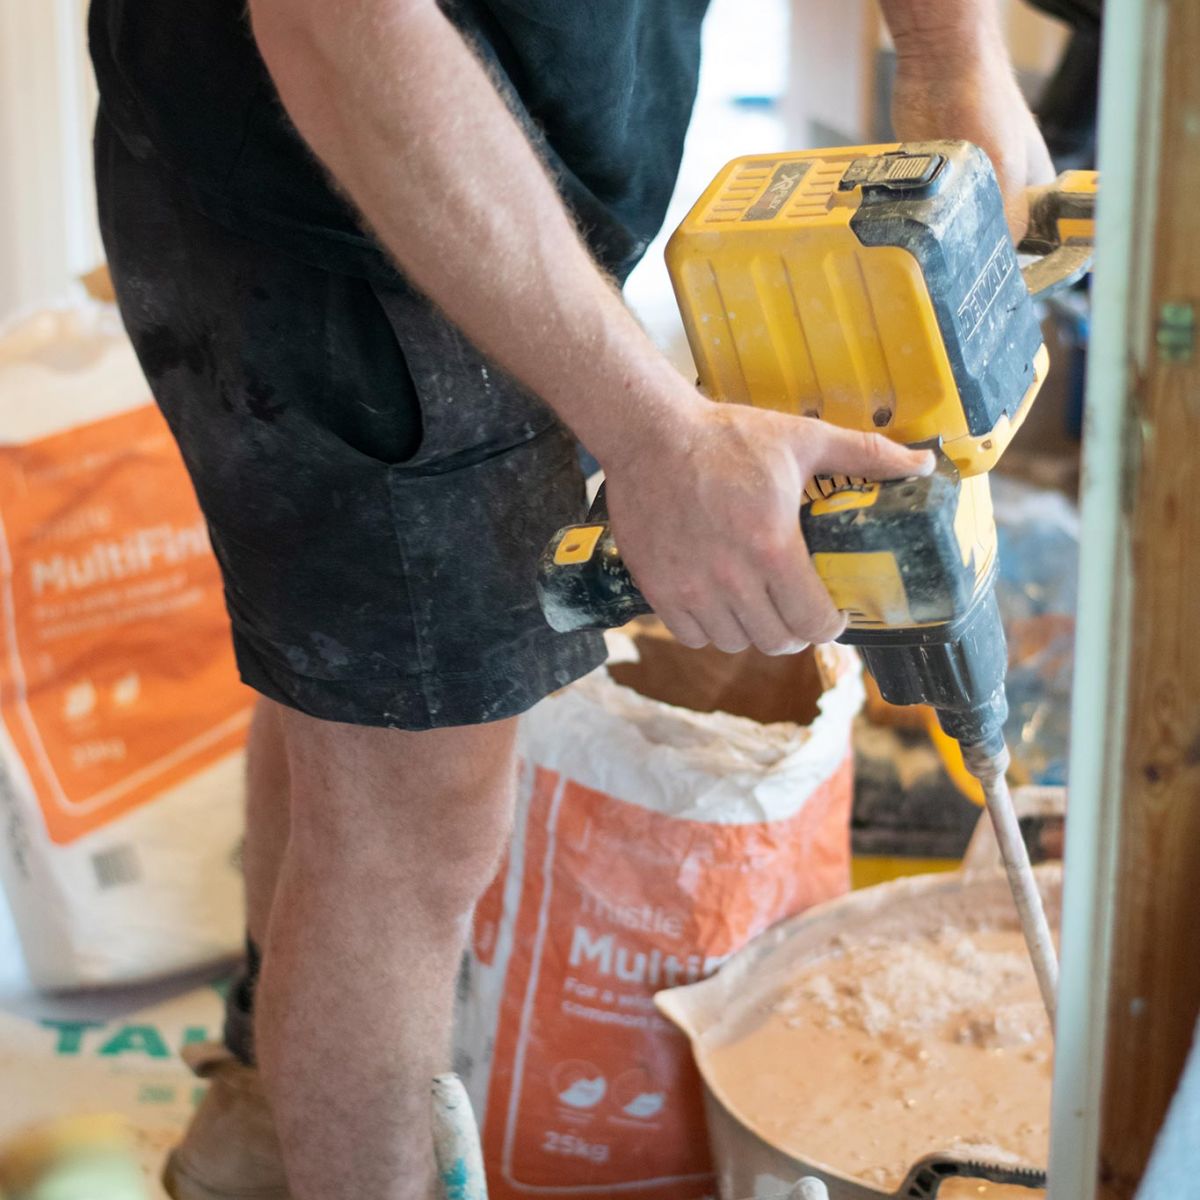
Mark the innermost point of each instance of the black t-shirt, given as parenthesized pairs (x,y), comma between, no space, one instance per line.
(604,88)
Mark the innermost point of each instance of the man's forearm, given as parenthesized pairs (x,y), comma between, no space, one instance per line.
(947,31)
(954,79)
(402,113)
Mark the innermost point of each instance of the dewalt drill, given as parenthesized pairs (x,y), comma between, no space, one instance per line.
(876,287)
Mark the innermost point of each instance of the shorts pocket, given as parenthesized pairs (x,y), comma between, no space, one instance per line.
(368,400)
(469,407)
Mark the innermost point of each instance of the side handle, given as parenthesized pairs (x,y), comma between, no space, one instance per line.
(1062,232)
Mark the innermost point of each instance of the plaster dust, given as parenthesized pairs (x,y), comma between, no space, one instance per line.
(889,1048)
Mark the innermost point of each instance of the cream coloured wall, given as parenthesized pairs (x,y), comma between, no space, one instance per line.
(832,77)
(47,98)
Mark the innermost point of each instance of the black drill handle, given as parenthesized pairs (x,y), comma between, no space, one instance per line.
(583,582)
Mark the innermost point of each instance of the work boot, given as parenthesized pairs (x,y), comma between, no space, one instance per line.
(229,1151)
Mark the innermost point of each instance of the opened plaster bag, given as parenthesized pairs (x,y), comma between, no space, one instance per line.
(669,810)
(122,720)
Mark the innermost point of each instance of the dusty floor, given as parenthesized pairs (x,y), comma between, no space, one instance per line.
(115,1051)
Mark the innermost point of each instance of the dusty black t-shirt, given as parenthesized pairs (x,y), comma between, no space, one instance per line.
(604,87)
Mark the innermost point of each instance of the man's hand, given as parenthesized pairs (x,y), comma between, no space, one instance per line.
(707,517)
(954,80)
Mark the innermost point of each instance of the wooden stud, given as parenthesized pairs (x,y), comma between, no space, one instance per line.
(1154,989)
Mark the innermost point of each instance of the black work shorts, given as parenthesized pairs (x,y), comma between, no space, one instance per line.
(377,493)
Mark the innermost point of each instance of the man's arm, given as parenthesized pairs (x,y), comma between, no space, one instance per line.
(703,497)
(405,118)
(954,79)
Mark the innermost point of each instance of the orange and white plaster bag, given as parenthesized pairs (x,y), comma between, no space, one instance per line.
(122,720)
(670,808)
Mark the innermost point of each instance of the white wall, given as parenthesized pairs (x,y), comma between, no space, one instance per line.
(740,58)
(47,98)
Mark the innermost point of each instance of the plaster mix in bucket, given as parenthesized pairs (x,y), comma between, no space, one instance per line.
(889,1028)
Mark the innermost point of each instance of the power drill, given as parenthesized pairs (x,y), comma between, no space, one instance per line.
(876,287)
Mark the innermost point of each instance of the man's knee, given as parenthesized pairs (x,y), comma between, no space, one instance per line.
(424,814)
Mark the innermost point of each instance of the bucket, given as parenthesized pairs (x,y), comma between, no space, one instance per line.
(715,1011)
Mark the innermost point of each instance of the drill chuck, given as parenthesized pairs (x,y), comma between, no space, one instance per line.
(957,668)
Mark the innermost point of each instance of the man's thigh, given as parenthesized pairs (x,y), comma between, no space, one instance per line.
(387,817)
(454,784)
(377,495)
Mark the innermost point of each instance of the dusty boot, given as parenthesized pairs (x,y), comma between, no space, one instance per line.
(229,1151)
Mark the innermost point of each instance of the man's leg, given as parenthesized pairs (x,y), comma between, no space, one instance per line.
(266,838)
(345,515)
(393,837)
(267,818)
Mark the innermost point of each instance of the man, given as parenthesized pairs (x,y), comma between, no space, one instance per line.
(368,252)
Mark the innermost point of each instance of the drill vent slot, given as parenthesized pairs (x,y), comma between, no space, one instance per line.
(821,487)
